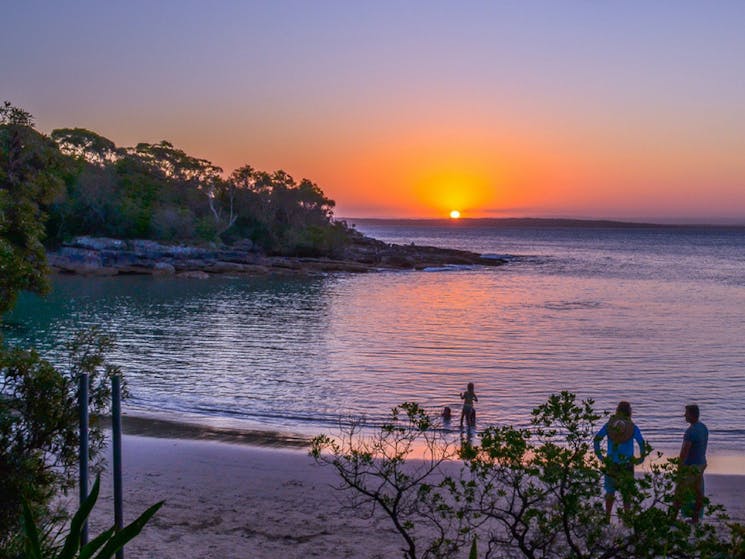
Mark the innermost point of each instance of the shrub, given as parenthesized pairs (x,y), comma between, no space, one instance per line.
(532,492)
(39,425)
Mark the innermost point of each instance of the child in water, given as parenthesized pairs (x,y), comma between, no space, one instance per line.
(446,415)
(469,412)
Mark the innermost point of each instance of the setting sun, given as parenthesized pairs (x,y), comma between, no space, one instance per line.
(455,214)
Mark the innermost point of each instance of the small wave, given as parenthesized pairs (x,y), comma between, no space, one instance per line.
(449,268)
(494,256)
(531,259)
(571,305)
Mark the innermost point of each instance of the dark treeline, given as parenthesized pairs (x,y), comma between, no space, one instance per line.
(159,192)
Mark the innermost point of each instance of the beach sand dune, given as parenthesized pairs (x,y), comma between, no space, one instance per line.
(237,501)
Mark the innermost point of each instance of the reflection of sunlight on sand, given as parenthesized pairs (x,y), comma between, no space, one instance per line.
(440,444)
(449,441)
(448,438)
(727,464)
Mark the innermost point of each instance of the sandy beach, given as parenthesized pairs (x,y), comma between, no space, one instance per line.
(226,500)
(237,501)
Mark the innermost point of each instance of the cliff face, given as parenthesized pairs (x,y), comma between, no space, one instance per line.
(104,256)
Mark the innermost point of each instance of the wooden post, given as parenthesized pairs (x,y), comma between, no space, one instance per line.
(116,430)
(83,410)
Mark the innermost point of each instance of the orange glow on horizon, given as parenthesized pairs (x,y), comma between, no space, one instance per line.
(413,169)
(466,187)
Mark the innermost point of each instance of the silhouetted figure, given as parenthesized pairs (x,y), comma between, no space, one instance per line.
(619,460)
(690,490)
(468,411)
(447,414)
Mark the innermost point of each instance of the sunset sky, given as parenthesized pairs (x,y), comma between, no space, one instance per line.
(623,110)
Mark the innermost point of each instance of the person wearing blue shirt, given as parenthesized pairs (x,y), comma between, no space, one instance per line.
(692,464)
(621,434)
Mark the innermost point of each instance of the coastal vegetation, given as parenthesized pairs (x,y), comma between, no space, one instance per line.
(39,437)
(98,208)
(159,192)
(38,403)
(532,492)
(86,185)
(39,545)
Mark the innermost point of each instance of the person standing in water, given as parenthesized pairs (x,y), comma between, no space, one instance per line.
(469,412)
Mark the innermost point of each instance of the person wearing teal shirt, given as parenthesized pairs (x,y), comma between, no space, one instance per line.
(621,434)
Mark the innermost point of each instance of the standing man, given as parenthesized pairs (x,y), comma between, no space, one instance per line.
(621,433)
(692,465)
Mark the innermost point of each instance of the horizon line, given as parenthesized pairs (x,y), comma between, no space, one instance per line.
(622,222)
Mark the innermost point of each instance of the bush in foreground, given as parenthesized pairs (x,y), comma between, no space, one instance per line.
(40,545)
(533,492)
(39,436)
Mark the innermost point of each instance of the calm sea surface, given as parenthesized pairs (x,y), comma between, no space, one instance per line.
(655,316)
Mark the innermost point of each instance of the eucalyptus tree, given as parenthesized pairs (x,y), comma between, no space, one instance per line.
(86,145)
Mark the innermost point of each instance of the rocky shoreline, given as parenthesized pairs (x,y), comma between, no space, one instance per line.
(99,256)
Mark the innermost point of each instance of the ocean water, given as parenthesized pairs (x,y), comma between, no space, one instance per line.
(655,316)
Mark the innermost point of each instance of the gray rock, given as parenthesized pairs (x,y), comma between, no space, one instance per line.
(163,269)
(186,265)
(194,274)
(112,256)
(221,267)
(99,243)
(243,245)
(77,260)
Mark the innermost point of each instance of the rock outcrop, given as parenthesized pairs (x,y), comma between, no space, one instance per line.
(105,257)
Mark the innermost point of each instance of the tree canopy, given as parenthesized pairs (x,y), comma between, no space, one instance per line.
(32,172)
(158,191)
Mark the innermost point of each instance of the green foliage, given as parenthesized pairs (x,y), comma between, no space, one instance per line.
(85,145)
(474,553)
(32,172)
(103,546)
(372,465)
(158,191)
(89,186)
(39,424)
(533,492)
(38,403)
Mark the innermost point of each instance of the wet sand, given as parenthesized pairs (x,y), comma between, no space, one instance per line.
(153,426)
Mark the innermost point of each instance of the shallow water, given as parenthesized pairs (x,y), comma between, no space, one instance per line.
(652,316)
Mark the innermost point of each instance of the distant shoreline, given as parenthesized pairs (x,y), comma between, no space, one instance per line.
(540,222)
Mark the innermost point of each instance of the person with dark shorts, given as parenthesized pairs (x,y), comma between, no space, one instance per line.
(619,460)
(690,490)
